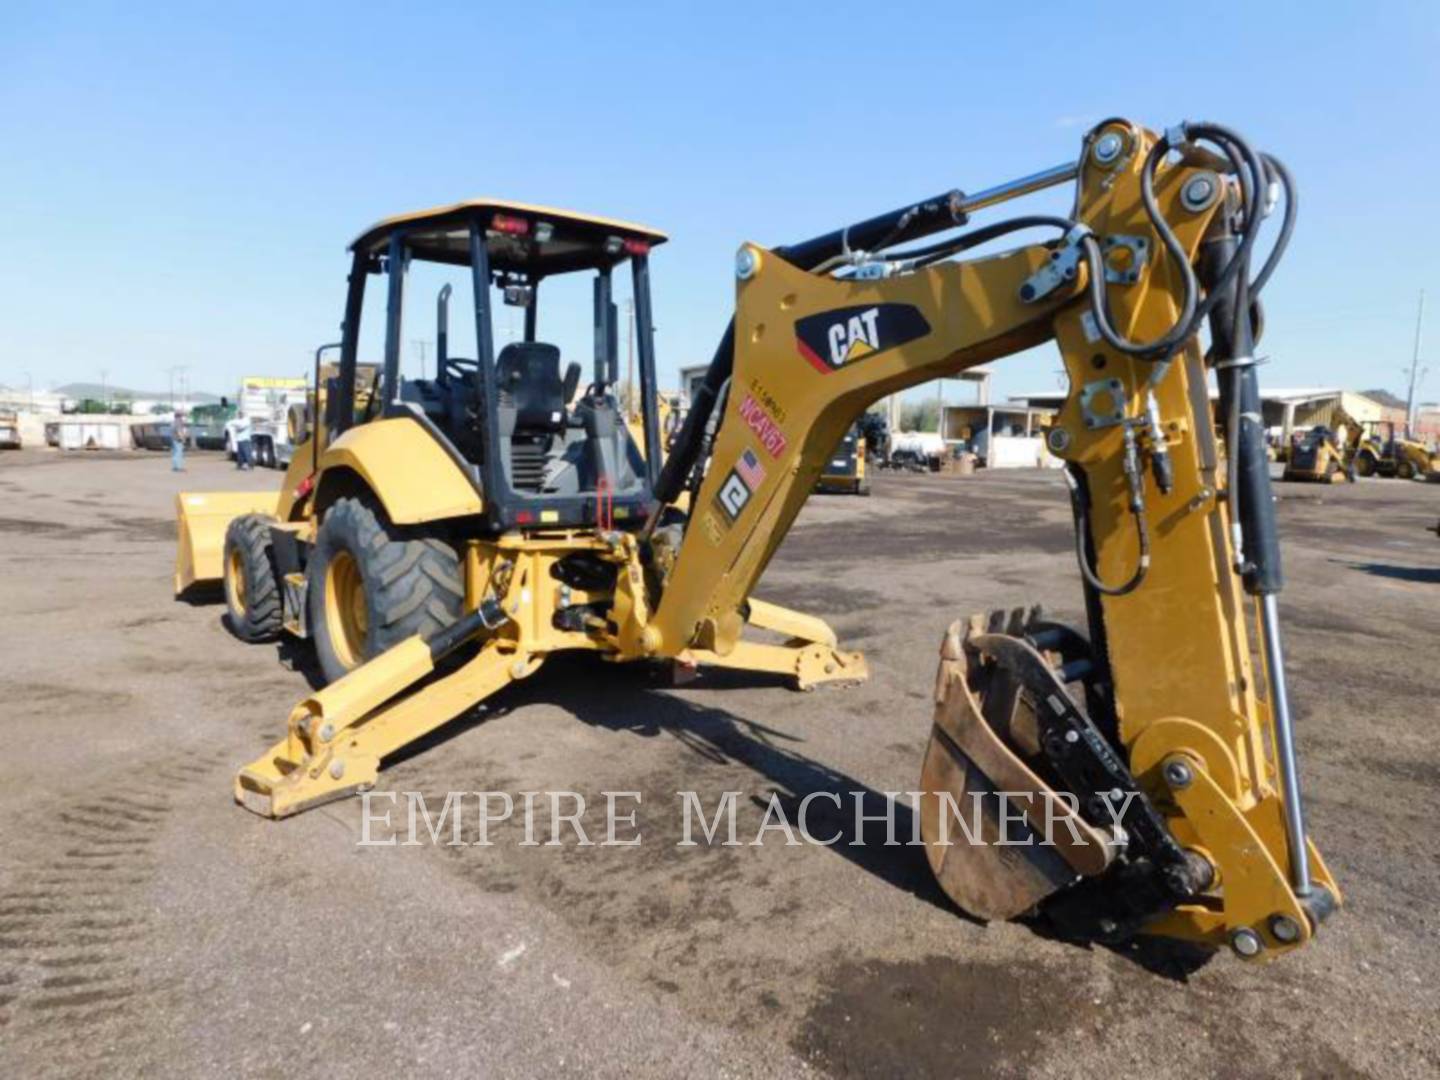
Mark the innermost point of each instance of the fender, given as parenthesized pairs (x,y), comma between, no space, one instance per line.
(413,476)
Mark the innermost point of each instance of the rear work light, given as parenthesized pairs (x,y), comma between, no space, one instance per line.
(514,226)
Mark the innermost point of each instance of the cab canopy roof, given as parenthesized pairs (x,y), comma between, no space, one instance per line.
(532,240)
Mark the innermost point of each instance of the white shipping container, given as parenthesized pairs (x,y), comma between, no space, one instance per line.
(95,434)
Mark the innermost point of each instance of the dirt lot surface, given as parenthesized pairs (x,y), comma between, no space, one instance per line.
(149,926)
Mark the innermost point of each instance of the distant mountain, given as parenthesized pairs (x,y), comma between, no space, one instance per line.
(1384,397)
(81,390)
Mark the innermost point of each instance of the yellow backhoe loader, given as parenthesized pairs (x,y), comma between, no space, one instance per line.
(1380,451)
(439,539)
(1318,455)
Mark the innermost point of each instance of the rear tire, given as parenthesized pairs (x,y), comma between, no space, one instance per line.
(1364,465)
(1405,470)
(252,593)
(371,585)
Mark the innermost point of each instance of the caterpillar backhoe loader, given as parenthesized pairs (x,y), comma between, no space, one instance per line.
(1380,451)
(1318,455)
(441,540)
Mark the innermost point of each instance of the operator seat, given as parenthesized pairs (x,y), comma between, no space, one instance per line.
(531,401)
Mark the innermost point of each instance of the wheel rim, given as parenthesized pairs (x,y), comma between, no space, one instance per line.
(235,582)
(346,615)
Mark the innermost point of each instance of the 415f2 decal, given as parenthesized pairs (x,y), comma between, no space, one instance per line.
(828,340)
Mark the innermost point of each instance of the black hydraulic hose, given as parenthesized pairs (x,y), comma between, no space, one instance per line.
(1232,470)
(911,222)
(976,237)
(1251,170)
(1080,497)
(684,451)
(1287,224)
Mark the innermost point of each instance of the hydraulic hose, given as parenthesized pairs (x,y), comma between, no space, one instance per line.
(1287,224)
(1080,497)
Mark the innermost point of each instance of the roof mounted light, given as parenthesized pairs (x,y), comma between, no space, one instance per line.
(543,231)
(614,245)
(637,247)
(509,224)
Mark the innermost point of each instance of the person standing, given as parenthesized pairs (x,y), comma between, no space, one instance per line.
(244,430)
(177,443)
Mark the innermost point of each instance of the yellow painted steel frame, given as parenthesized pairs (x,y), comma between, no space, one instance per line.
(1179,646)
(337,737)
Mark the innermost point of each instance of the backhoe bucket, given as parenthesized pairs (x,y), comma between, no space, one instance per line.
(976,784)
(202,518)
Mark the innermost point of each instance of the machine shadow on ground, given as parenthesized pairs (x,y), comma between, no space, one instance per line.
(1425,575)
(633,701)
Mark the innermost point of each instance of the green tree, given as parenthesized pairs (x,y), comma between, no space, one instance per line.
(919,416)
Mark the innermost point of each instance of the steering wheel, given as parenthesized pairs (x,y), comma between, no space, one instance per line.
(458,368)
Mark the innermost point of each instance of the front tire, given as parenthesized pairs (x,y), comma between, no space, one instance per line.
(1405,470)
(252,593)
(371,585)
(1364,465)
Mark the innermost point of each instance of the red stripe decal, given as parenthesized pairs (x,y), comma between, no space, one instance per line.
(815,361)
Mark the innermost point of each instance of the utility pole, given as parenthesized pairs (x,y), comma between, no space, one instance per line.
(422,344)
(176,369)
(1416,372)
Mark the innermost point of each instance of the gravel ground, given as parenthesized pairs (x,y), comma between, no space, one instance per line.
(149,926)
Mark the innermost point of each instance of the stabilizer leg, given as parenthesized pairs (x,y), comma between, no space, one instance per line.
(338,736)
(810,656)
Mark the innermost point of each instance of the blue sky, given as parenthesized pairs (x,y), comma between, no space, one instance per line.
(178,185)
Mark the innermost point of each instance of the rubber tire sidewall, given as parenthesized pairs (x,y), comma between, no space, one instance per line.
(356,526)
(264,606)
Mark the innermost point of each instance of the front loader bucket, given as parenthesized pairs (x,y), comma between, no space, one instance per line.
(202,518)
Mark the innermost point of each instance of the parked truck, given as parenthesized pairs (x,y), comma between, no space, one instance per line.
(265,400)
(207,425)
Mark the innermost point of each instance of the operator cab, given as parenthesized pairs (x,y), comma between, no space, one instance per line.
(543,446)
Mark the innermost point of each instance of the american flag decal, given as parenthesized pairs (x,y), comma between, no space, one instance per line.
(750,468)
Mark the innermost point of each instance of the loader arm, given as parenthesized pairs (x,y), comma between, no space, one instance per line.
(1173,681)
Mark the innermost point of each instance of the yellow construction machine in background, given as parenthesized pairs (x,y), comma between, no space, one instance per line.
(439,539)
(1318,455)
(1381,451)
(844,470)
